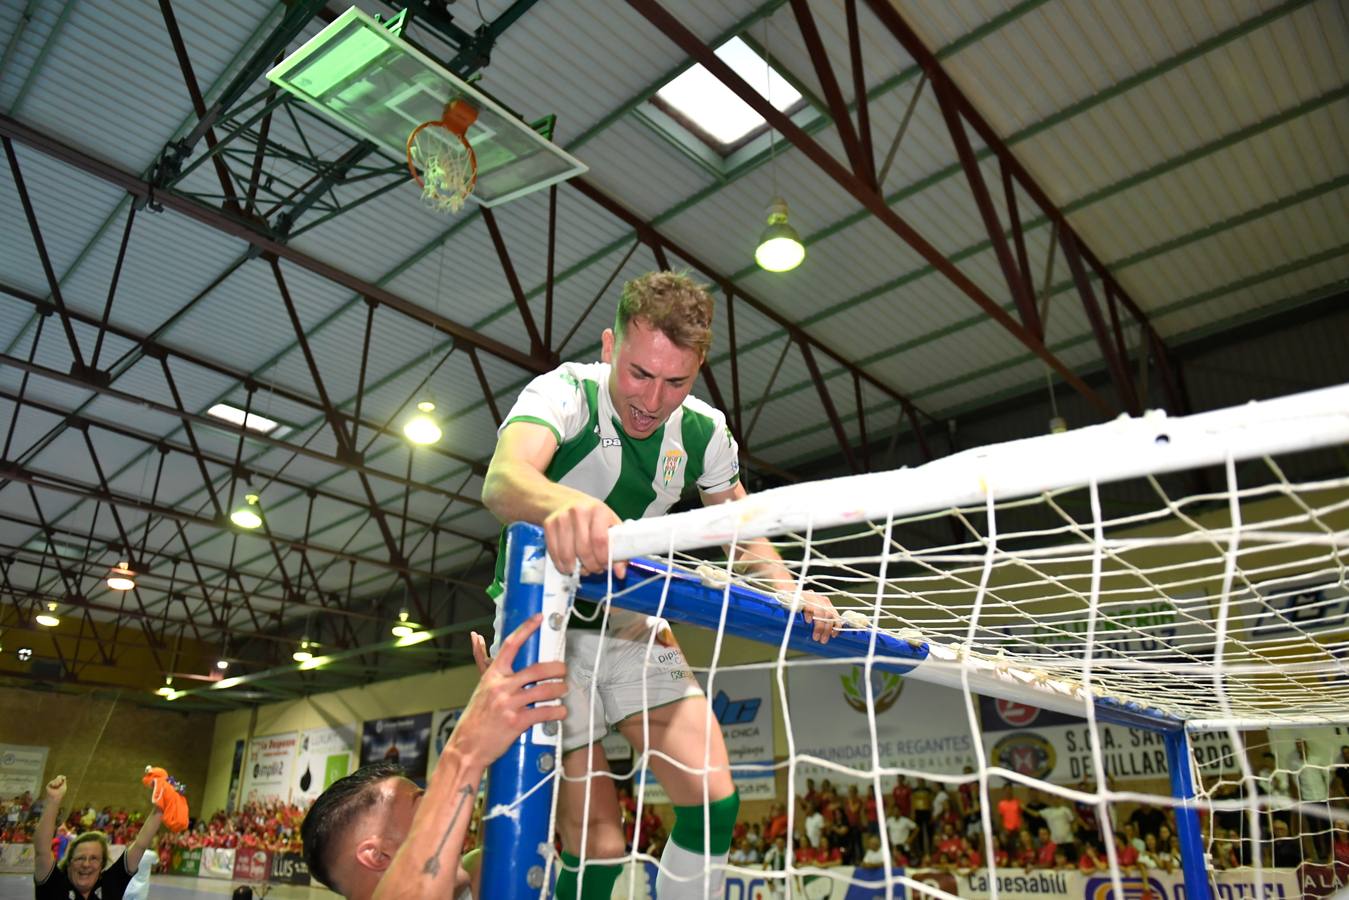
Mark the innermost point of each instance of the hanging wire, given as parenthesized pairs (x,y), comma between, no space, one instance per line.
(768,79)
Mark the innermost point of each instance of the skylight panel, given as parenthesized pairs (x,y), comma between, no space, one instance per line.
(713,108)
(235,416)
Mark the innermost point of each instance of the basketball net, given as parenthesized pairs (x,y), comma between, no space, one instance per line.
(442,160)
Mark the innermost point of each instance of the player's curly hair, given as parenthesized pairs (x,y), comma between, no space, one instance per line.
(671,302)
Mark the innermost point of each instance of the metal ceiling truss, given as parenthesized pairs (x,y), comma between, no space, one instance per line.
(265,216)
(859,179)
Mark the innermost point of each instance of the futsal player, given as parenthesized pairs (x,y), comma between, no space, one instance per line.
(586,446)
(375,834)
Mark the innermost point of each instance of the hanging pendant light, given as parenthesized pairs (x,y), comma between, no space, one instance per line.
(48,619)
(423,428)
(121,578)
(305,652)
(403,628)
(780,248)
(249,515)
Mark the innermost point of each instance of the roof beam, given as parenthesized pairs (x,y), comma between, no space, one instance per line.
(870,198)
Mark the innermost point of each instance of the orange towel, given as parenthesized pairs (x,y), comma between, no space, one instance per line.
(168,797)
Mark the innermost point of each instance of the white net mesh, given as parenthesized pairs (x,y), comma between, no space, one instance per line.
(446,167)
(1211,592)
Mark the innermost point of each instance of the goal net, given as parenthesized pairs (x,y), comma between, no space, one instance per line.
(1111,661)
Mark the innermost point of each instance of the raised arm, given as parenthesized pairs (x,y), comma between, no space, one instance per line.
(428,863)
(144,837)
(46,828)
(515,489)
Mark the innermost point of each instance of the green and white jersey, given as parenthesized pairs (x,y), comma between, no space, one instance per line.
(636,477)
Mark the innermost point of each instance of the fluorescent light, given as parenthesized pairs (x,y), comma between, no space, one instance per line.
(235,416)
(699,96)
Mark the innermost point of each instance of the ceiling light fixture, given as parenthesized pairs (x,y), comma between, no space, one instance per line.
(48,619)
(222,664)
(402,628)
(305,653)
(423,428)
(25,654)
(167,690)
(780,248)
(249,515)
(121,578)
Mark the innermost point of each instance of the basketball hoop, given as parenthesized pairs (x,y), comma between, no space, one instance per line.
(441,151)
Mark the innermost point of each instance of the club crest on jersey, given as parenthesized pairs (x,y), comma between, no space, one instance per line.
(672,460)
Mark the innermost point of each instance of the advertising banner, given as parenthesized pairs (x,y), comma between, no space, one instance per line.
(1056,747)
(16,858)
(236,772)
(918,725)
(185,861)
(848,883)
(742,703)
(252,865)
(21,768)
(217,862)
(443,722)
(267,773)
(401,739)
(289,868)
(325,755)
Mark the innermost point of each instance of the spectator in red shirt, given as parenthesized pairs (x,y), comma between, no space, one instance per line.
(1125,853)
(777,825)
(1089,861)
(949,842)
(1024,855)
(1044,857)
(903,795)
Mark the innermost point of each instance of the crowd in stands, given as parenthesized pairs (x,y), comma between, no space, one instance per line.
(273,826)
(925,824)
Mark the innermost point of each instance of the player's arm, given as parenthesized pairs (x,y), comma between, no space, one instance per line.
(143,838)
(515,489)
(761,558)
(46,828)
(428,863)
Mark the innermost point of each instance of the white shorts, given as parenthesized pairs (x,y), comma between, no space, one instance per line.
(628,680)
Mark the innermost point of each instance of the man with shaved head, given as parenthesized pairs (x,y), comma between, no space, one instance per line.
(375,833)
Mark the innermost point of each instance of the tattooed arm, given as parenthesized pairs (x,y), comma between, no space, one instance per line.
(428,863)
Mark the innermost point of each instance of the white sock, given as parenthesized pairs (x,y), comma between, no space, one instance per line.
(681,874)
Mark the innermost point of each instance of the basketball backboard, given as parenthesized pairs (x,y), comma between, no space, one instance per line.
(372,82)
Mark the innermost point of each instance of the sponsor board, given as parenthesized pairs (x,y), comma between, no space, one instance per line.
(405,740)
(217,862)
(1057,747)
(185,861)
(268,769)
(917,725)
(252,865)
(289,868)
(325,755)
(21,768)
(16,858)
(742,703)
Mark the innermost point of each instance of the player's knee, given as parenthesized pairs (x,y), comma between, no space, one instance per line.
(603,838)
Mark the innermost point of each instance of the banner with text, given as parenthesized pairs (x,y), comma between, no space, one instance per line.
(185,861)
(1056,747)
(742,703)
(289,868)
(252,865)
(267,773)
(217,862)
(16,858)
(443,723)
(918,725)
(401,739)
(326,754)
(21,769)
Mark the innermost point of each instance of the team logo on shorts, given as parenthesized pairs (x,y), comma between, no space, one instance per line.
(672,460)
